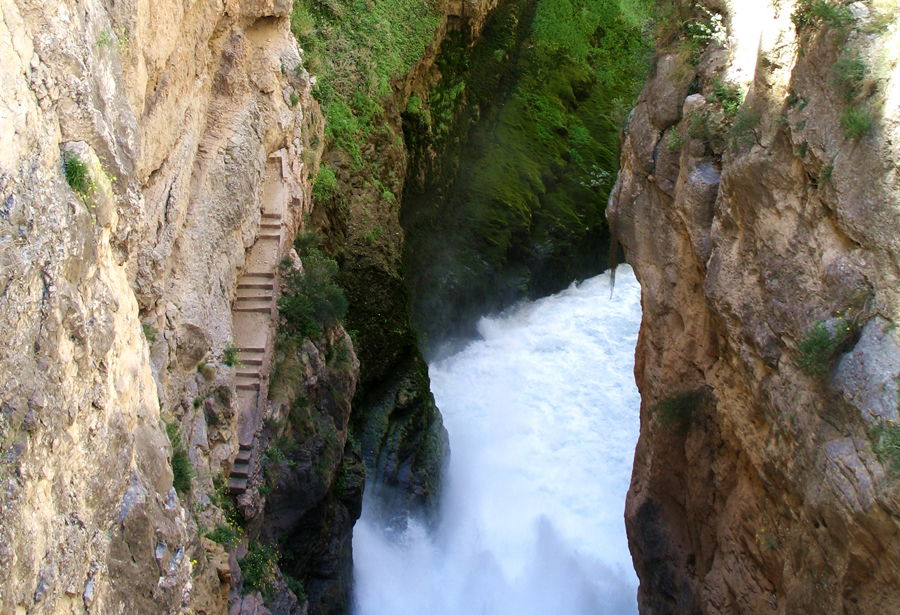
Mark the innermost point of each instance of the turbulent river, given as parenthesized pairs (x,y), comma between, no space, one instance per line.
(543,418)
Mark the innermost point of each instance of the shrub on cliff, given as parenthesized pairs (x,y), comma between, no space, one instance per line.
(676,411)
(819,347)
(312,299)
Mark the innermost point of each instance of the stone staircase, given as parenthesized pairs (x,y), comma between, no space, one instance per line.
(254,317)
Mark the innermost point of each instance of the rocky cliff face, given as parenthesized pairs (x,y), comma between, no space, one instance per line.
(136,143)
(758,203)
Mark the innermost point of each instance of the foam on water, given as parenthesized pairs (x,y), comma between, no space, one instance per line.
(543,419)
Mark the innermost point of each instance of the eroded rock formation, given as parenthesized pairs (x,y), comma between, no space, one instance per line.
(760,481)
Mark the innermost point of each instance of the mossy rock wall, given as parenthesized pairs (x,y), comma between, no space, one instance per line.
(514,147)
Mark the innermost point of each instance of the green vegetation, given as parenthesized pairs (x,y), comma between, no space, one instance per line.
(259,568)
(886,444)
(77,175)
(820,346)
(743,129)
(728,96)
(182,470)
(296,585)
(230,356)
(856,122)
(849,75)
(325,184)
(674,141)
(149,333)
(357,48)
(312,298)
(228,535)
(825,12)
(527,123)
(677,411)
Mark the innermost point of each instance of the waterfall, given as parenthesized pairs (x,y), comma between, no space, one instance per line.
(543,419)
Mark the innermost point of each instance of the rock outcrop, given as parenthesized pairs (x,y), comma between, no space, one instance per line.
(764,231)
(137,143)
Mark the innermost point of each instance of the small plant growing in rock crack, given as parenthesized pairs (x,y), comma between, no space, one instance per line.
(77,175)
(230,356)
(149,333)
(674,141)
(856,123)
(294,99)
(259,568)
(886,444)
(677,411)
(182,470)
(743,130)
(820,346)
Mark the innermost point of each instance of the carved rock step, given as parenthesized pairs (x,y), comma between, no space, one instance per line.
(256,286)
(257,274)
(251,349)
(247,386)
(237,485)
(240,470)
(274,225)
(243,456)
(254,362)
(260,310)
(269,236)
(253,298)
(270,215)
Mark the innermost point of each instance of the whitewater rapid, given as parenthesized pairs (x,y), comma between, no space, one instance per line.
(543,419)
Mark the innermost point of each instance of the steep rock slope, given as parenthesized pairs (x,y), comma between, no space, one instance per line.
(764,231)
(137,141)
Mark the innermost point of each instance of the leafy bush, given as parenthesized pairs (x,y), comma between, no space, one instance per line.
(819,347)
(325,184)
(312,298)
(728,95)
(886,444)
(228,535)
(856,122)
(259,568)
(182,470)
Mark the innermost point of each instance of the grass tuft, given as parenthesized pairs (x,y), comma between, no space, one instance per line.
(886,444)
(182,470)
(856,123)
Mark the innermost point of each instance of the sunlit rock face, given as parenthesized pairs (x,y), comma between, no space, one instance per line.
(116,284)
(764,231)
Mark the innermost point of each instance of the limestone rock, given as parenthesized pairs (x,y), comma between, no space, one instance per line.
(760,225)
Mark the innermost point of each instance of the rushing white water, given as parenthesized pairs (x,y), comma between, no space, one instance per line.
(543,418)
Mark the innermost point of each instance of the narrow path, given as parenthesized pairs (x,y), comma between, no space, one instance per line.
(254,315)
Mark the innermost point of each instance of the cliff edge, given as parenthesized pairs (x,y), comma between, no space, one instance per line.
(759,203)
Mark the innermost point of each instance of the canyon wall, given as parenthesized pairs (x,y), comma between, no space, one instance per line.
(139,140)
(167,445)
(759,203)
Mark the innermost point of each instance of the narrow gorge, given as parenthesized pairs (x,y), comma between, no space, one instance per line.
(242,241)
